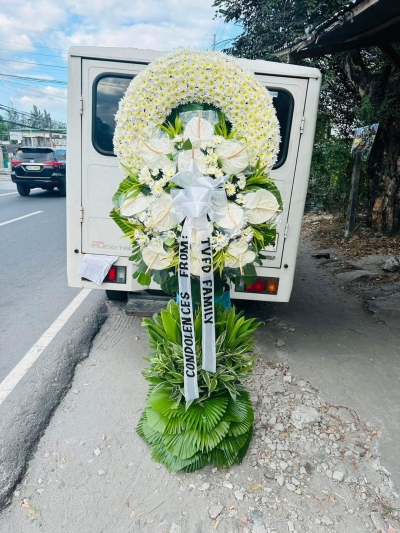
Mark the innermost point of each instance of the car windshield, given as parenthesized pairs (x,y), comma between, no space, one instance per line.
(27,155)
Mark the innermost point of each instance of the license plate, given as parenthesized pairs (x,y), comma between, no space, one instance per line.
(33,167)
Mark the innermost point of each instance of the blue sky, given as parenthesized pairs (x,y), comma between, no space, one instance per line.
(35,37)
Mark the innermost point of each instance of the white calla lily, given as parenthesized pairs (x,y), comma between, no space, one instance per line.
(233,157)
(241,255)
(154,255)
(160,213)
(153,152)
(199,158)
(260,206)
(198,130)
(133,206)
(233,216)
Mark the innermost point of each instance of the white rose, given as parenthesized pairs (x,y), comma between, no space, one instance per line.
(261,206)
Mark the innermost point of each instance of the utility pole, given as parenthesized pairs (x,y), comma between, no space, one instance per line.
(214,42)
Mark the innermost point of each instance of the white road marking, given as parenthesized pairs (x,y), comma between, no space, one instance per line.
(20,218)
(19,371)
(8,193)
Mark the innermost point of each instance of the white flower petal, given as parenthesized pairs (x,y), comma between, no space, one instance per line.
(260,206)
(133,206)
(161,217)
(240,253)
(233,157)
(199,159)
(153,153)
(155,257)
(233,216)
(198,130)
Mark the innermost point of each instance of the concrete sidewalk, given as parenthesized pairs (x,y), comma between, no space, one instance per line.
(92,473)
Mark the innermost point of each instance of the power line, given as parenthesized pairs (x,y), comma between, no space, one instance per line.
(33,45)
(30,53)
(40,80)
(33,64)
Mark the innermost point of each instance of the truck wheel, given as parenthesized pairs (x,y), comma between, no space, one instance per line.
(62,190)
(23,189)
(117,296)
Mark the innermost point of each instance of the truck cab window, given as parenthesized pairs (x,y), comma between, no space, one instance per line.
(107,92)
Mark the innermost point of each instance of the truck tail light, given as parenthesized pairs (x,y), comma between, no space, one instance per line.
(260,285)
(116,274)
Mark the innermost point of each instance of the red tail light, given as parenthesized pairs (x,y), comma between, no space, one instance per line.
(112,274)
(15,162)
(52,164)
(260,285)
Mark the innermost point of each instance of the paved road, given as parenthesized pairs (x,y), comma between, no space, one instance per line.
(33,293)
(33,287)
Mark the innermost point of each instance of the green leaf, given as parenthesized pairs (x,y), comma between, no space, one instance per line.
(239,428)
(171,327)
(207,440)
(160,454)
(187,145)
(155,420)
(233,444)
(181,445)
(206,415)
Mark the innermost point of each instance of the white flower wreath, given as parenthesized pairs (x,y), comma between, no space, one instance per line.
(234,150)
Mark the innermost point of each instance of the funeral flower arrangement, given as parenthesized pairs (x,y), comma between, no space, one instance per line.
(161,126)
(196,137)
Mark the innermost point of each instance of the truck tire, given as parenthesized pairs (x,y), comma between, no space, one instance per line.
(117,296)
(23,189)
(62,190)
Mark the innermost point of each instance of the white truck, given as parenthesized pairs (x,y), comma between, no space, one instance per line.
(98,78)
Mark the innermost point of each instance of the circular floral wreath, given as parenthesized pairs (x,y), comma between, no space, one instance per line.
(199,105)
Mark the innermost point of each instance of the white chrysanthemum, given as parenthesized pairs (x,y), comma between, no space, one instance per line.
(230,188)
(175,79)
(261,206)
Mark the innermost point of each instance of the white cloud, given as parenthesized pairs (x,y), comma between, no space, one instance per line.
(154,24)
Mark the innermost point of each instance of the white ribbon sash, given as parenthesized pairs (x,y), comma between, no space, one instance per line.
(199,200)
(186,313)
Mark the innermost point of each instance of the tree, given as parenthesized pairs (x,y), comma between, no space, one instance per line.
(359,87)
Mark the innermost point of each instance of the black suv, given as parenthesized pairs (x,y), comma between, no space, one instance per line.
(38,168)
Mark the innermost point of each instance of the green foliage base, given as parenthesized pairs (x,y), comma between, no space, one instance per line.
(217,427)
(216,430)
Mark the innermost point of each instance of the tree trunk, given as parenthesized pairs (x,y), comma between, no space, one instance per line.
(384,178)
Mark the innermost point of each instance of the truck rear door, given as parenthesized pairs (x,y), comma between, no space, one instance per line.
(103,85)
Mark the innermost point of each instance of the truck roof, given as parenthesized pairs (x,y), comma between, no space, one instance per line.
(137,55)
